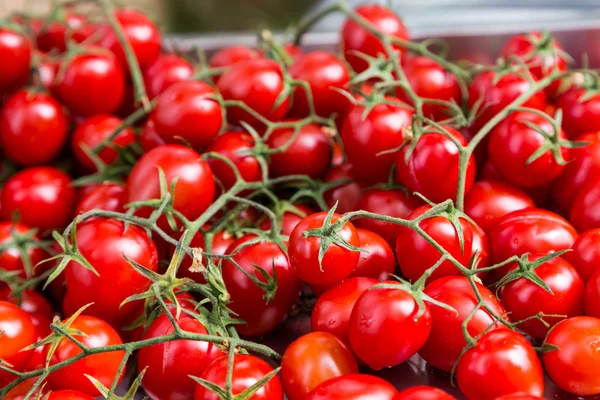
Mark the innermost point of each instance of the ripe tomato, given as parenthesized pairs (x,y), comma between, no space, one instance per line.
(502,362)
(92,132)
(355,38)
(324,73)
(247,370)
(592,296)
(354,386)
(186,112)
(53,34)
(519,396)
(446,340)
(69,395)
(378,260)
(289,219)
(164,71)
(107,196)
(580,115)
(257,82)
(149,138)
(423,393)
(31,302)
(385,327)
(18,333)
(231,55)
(575,365)
(313,359)
(235,147)
(489,200)
(15,48)
(585,256)
(248,301)
(585,212)
(10,257)
(102,366)
(91,83)
(43,196)
(348,195)
(170,364)
(433,153)
(524,298)
(337,263)
(47,70)
(430,80)
(366,137)
(176,161)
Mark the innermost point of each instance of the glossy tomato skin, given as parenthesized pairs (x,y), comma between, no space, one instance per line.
(378,260)
(523,298)
(43,196)
(579,115)
(195,187)
(15,47)
(423,393)
(309,153)
(519,396)
(230,55)
(107,196)
(365,138)
(149,138)
(186,111)
(233,146)
(354,386)
(385,327)
(18,333)
(446,339)
(502,362)
(92,132)
(289,219)
(348,195)
(355,38)
(247,370)
(391,202)
(31,301)
(324,73)
(575,365)
(489,200)
(585,256)
(69,395)
(258,83)
(592,296)
(10,258)
(53,34)
(338,262)
(32,121)
(103,366)
(585,212)
(247,299)
(433,153)
(164,71)
(313,359)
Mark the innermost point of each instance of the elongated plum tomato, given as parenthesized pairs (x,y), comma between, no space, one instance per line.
(423,393)
(354,386)
(16,47)
(107,196)
(228,56)
(261,311)
(502,362)
(581,113)
(433,153)
(585,254)
(355,38)
(446,339)
(235,147)
(574,365)
(377,261)
(102,366)
(365,138)
(164,71)
(247,370)
(585,212)
(313,359)
(195,187)
(10,257)
(258,83)
(18,332)
(185,111)
(338,262)
(33,128)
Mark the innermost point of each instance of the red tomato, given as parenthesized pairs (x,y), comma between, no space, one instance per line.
(107,196)
(228,56)
(43,196)
(378,260)
(149,138)
(176,161)
(47,70)
(357,39)
(354,386)
(585,212)
(489,200)
(575,365)
(585,256)
(580,115)
(309,153)
(366,137)
(324,73)
(519,396)
(31,302)
(20,391)
(53,34)
(289,219)
(166,70)
(313,359)
(10,257)
(92,132)
(258,83)
(91,83)
(18,332)
(430,80)
(35,122)
(592,296)
(502,362)
(186,112)
(247,370)
(433,153)
(15,49)
(69,395)
(524,298)
(337,263)
(423,393)
(347,195)
(446,340)
(234,146)
(102,366)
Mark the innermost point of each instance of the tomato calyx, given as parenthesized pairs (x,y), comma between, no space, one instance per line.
(24,243)
(70,252)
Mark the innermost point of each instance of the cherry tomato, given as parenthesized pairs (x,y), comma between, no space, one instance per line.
(10,257)
(574,365)
(107,196)
(592,296)
(355,38)
(378,260)
(15,48)
(43,197)
(489,200)
(290,219)
(337,263)
(423,393)
(149,138)
(519,396)
(53,33)
(247,370)
(102,366)
(228,56)
(585,256)
(354,386)
(581,114)
(502,362)
(18,333)
(585,212)
(69,395)
(313,359)
(47,69)
(235,147)
(186,112)
(348,195)
(166,70)
(31,302)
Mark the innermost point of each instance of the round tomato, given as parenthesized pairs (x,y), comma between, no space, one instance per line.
(228,56)
(348,195)
(423,393)
(69,395)
(377,261)
(585,212)
(18,332)
(53,34)
(585,254)
(48,70)
(581,113)
(592,296)
(15,49)
(166,70)
(235,146)
(354,386)
(289,219)
(519,396)
(31,302)
(107,196)
(149,138)
(10,257)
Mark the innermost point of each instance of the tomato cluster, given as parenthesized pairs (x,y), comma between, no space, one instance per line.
(165,214)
